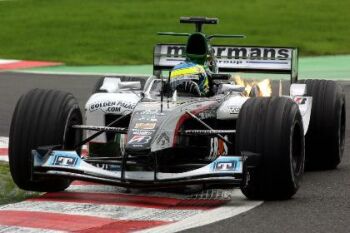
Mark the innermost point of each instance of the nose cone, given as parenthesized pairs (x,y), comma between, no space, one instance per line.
(140,138)
(144,125)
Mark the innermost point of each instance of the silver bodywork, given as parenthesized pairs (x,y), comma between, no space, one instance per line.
(121,101)
(154,123)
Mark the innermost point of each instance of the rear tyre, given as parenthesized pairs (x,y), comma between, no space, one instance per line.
(42,118)
(271,127)
(326,134)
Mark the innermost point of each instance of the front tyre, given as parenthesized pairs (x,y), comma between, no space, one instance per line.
(42,118)
(271,127)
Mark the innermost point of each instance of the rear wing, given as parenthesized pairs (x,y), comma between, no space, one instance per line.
(279,60)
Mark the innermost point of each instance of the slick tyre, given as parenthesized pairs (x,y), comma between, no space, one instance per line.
(272,128)
(42,118)
(99,83)
(324,142)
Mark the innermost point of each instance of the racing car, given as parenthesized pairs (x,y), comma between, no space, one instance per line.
(188,123)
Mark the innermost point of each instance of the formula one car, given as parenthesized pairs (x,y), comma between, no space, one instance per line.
(188,123)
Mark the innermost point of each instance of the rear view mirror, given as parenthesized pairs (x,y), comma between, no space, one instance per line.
(111,85)
(130,85)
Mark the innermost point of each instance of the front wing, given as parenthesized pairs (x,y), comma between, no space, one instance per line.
(225,169)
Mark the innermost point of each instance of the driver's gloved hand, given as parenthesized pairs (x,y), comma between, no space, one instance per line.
(190,87)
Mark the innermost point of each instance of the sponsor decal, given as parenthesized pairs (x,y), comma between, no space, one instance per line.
(229,52)
(108,167)
(142,132)
(207,114)
(217,147)
(63,160)
(149,115)
(233,57)
(175,51)
(111,106)
(300,100)
(151,118)
(234,62)
(163,139)
(225,166)
(138,139)
(155,112)
(252,53)
(143,125)
(102,166)
(234,109)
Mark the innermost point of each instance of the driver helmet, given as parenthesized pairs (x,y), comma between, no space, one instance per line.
(188,72)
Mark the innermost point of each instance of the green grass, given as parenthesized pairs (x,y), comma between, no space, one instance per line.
(8,190)
(89,32)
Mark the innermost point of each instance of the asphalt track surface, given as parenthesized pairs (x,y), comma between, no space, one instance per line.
(321,205)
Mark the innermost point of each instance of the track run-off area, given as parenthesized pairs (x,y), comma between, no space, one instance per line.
(89,207)
(321,205)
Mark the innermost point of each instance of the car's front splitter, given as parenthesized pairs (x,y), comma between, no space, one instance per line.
(225,169)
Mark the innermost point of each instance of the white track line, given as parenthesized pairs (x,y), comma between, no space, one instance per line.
(103,210)
(4,141)
(3,145)
(8,61)
(15,229)
(238,205)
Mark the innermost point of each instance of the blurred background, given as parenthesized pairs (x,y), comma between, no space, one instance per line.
(86,32)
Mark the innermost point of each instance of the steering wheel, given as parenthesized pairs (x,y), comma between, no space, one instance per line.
(190,87)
